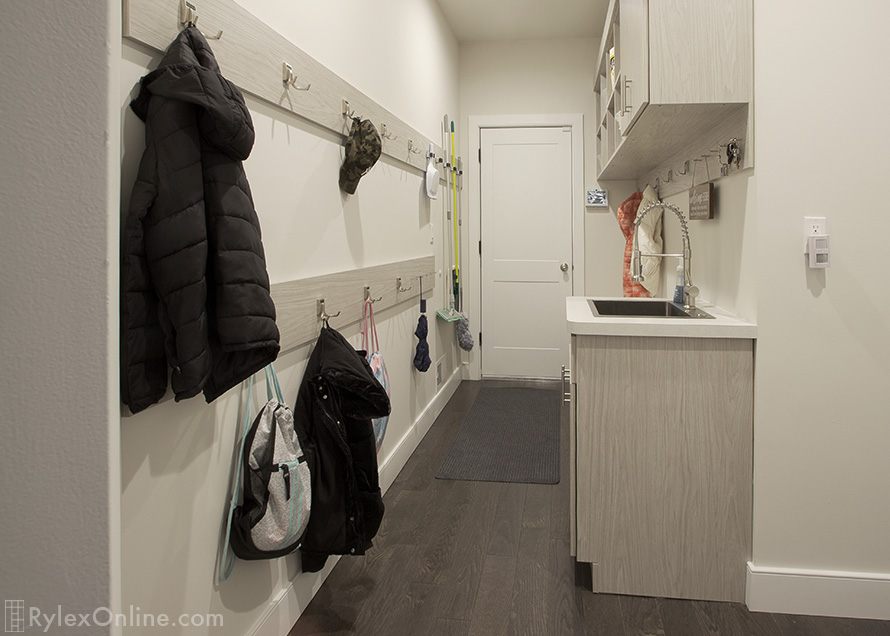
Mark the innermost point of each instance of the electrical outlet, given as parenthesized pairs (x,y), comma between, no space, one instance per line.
(813,225)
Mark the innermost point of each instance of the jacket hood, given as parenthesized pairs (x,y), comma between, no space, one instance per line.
(189,73)
(346,371)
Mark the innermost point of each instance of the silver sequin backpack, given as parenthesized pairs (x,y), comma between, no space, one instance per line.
(273,481)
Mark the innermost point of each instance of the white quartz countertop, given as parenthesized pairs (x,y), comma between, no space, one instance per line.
(582,321)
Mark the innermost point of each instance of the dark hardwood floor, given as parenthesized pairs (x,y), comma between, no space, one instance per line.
(458,558)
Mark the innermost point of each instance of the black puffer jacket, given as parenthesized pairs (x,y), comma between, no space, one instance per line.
(195,291)
(337,399)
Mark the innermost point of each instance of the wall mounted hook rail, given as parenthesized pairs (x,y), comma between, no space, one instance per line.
(290,79)
(188,14)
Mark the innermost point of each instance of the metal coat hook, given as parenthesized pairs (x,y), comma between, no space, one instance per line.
(412,149)
(707,169)
(685,169)
(734,152)
(368,295)
(386,134)
(349,111)
(399,287)
(321,312)
(724,167)
(670,176)
(188,15)
(290,79)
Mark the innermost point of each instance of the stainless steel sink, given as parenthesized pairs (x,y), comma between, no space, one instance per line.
(644,309)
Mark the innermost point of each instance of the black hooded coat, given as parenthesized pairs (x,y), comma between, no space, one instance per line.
(194,288)
(337,399)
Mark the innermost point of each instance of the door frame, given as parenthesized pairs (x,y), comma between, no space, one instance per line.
(472,233)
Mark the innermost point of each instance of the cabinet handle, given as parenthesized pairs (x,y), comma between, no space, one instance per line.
(566,380)
(627,94)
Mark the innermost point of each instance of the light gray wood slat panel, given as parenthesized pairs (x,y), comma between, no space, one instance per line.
(573,474)
(664,464)
(662,129)
(700,51)
(295,301)
(251,53)
(738,120)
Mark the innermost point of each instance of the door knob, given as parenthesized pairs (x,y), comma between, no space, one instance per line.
(564,267)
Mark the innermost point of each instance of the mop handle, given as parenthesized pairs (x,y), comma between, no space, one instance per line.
(454,211)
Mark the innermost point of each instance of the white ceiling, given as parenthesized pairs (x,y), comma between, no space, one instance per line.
(480,20)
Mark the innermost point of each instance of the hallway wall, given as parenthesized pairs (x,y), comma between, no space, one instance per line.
(58,310)
(821,402)
(821,514)
(176,458)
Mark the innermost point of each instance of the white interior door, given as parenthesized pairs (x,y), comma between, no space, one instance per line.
(526,184)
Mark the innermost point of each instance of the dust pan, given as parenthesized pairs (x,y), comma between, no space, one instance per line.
(448,315)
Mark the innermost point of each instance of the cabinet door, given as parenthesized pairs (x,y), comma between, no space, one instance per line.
(633,20)
(664,456)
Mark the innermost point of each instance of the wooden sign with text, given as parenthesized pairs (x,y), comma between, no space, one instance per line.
(701,201)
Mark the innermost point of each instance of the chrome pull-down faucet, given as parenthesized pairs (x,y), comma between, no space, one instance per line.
(690,291)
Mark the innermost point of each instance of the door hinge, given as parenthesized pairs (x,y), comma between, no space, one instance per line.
(480,338)
(480,248)
(480,155)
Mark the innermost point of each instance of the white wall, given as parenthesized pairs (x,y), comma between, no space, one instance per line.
(724,265)
(821,439)
(177,458)
(58,307)
(543,77)
(821,411)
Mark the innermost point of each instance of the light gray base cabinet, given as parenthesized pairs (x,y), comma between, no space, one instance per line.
(662,464)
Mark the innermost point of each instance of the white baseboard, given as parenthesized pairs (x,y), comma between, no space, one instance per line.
(286,608)
(290,603)
(818,592)
(393,464)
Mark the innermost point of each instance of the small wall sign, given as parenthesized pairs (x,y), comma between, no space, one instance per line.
(701,201)
(597,199)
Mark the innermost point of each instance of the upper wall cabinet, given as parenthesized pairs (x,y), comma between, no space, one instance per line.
(634,61)
(674,78)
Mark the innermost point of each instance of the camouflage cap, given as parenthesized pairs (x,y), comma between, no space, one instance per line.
(363,148)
